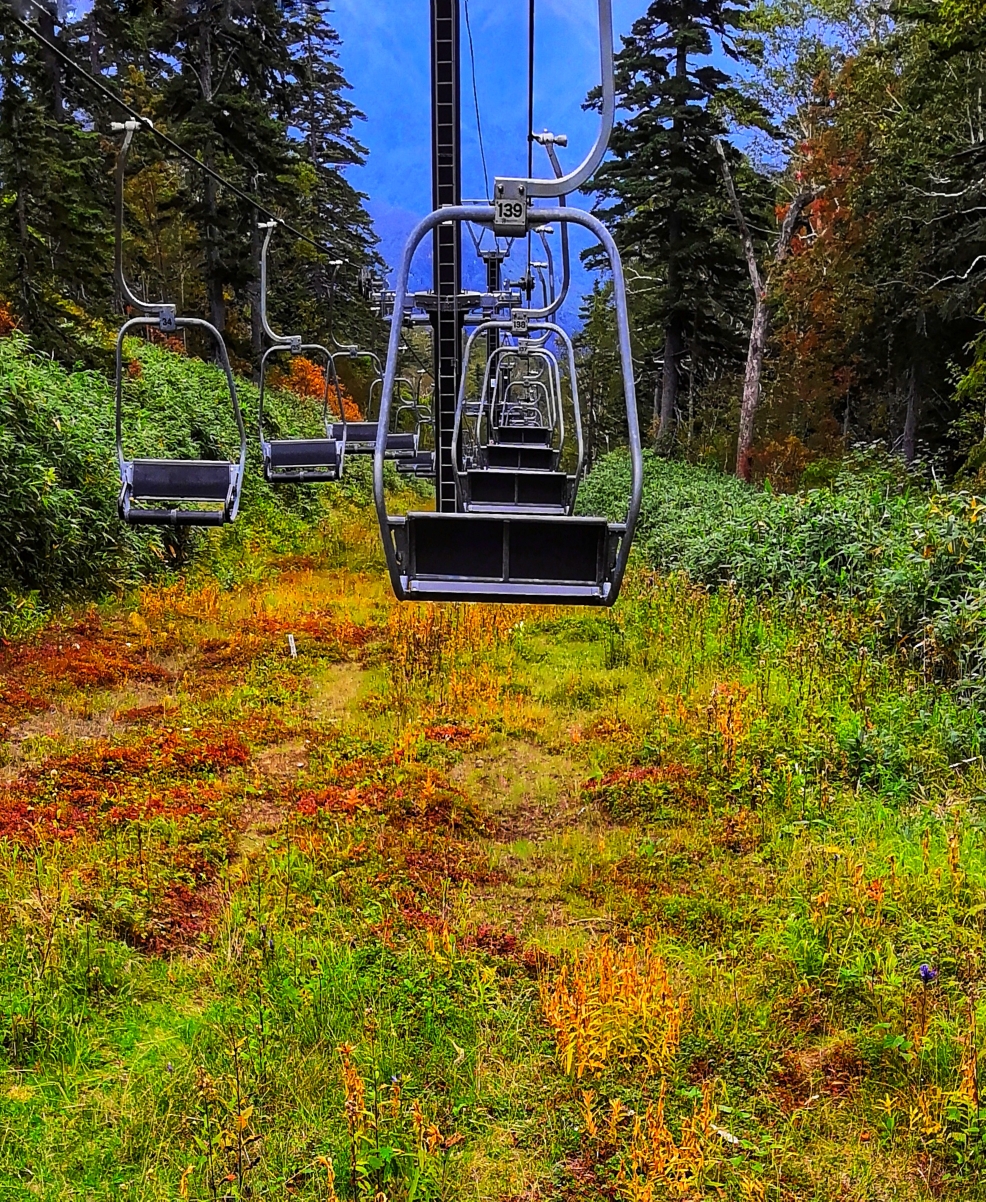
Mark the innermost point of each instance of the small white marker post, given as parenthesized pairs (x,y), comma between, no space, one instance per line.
(293,646)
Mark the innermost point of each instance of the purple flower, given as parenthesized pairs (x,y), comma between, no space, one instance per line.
(927,974)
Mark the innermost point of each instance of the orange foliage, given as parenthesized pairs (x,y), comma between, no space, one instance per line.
(824,302)
(7,320)
(307,379)
(170,342)
(783,461)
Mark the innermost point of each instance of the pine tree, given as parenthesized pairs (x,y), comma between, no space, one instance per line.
(668,207)
(325,119)
(54,244)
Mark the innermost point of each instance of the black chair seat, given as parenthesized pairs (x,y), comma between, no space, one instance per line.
(303,452)
(361,438)
(422,464)
(181,479)
(529,435)
(520,455)
(503,488)
(465,557)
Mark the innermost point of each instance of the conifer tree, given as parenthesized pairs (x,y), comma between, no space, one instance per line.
(54,248)
(667,203)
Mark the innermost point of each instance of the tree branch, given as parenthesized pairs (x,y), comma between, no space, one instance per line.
(791,219)
(745,236)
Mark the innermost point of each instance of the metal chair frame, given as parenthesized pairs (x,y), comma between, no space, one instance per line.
(328,454)
(215,482)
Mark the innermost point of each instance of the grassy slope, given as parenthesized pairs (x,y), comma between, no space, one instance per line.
(59,486)
(473,904)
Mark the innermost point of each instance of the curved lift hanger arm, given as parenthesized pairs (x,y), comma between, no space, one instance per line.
(547,189)
(549,142)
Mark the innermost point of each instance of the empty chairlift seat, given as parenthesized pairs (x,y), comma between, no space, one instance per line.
(362,440)
(514,539)
(521,456)
(421,465)
(537,436)
(531,491)
(179,492)
(519,558)
(302,460)
(170,492)
(176,483)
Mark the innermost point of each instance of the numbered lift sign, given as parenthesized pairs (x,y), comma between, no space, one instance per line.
(510,210)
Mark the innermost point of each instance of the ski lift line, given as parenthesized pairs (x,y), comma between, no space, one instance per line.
(530,90)
(530,125)
(475,96)
(146,123)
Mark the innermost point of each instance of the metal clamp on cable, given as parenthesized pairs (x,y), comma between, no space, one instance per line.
(512,197)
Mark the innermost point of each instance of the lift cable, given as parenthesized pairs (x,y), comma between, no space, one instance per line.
(530,123)
(146,123)
(475,96)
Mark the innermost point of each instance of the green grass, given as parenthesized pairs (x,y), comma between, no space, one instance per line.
(266,923)
(910,560)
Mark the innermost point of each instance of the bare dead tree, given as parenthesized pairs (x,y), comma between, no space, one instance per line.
(760,326)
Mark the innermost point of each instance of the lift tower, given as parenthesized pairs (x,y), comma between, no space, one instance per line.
(447,320)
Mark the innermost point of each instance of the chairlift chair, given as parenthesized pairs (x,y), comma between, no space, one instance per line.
(361,436)
(298,460)
(422,465)
(170,492)
(510,556)
(516,477)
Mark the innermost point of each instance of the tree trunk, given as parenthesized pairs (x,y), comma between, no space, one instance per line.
(674,334)
(253,292)
(95,43)
(673,346)
(760,326)
(759,329)
(53,68)
(909,445)
(692,358)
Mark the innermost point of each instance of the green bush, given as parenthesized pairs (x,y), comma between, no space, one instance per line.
(59,484)
(916,562)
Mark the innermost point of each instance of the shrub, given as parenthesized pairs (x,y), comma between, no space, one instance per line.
(916,561)
(59,486)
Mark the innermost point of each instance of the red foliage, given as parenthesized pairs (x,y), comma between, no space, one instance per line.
(105,784)
(181,918)
(81,655)
(451,734)
(8,322)
(494,942)
(16,703)
(305,378)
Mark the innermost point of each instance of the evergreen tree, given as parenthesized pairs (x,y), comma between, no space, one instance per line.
(54,245)
(668,207)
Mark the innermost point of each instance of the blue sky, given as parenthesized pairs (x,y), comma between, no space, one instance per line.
(385,56)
